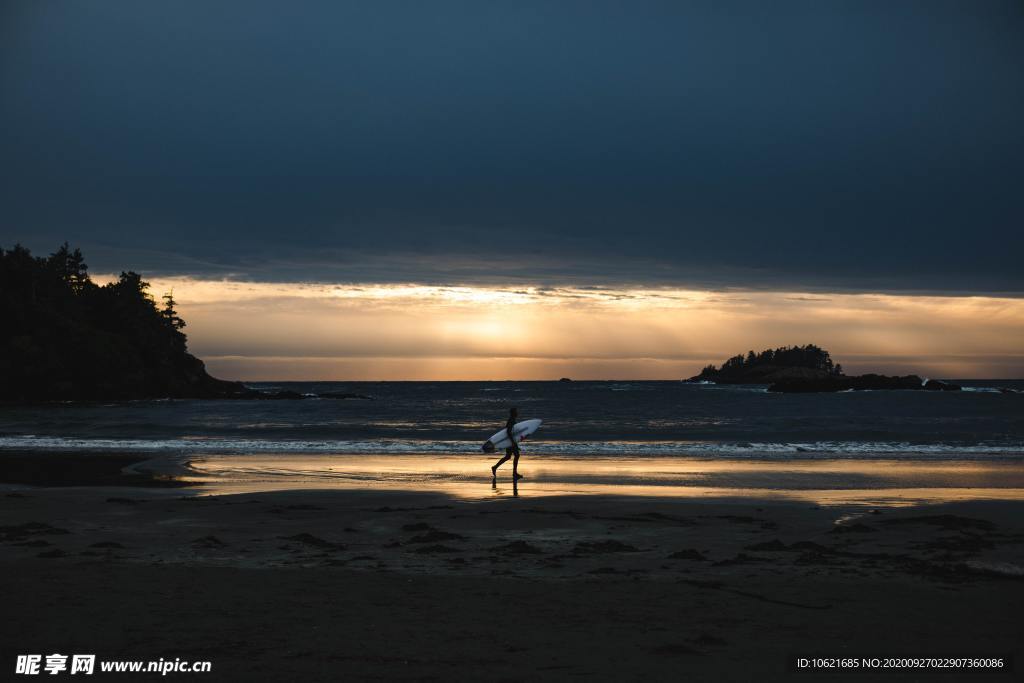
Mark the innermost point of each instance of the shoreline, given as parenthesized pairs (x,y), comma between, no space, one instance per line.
(838,483)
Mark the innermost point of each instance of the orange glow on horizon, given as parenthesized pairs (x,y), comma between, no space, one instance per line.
(293,331)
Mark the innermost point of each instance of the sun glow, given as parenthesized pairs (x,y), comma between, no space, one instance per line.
(263,330)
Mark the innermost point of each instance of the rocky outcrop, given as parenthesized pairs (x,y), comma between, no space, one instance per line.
(772,374)
(937,385)
(786,363)
(807,369)
(868,382)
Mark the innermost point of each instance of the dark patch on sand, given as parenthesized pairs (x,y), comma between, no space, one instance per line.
(949,522)
(209,542)
(721,586)
(79,469)
(602,547)
(688,554)
(709,639)
(21,532)
(856,528)
(567,513)
(310,539)
(648,518)
(675,650)
(741,558)
(436,536)
(744,519)
(809,546)
(970,544)
(774,546)
(429,549)
(517,548)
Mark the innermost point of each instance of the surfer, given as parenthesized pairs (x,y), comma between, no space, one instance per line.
(513,449)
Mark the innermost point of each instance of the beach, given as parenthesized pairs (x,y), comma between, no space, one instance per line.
(662,531)
(386,583)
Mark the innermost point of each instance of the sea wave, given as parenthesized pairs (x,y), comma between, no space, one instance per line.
(566,449)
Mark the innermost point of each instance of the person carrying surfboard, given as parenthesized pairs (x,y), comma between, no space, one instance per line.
(513,413)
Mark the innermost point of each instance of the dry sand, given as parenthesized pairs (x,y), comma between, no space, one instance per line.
(330,585)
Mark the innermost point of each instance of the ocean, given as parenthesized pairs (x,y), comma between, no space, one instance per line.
(580,419)
(638,433)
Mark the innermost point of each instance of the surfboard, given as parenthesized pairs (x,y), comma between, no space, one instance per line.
(521,430)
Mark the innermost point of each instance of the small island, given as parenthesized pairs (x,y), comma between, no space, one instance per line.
(806,369)
(773,365)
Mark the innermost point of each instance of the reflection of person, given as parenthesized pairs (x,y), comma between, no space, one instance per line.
(513,449)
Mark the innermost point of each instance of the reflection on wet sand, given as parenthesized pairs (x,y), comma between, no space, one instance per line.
(822,482)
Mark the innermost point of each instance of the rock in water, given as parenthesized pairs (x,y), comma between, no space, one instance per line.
(868,382)
(936,385)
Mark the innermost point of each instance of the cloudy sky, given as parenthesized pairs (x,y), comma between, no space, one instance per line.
(754,157)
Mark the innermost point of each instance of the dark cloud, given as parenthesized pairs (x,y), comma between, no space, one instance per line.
(872,146)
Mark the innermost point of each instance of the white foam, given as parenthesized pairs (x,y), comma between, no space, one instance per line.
(1000,568)
(568,449)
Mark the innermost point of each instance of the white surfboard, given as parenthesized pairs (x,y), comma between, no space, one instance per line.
(521,430)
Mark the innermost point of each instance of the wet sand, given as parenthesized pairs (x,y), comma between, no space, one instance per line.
(386,584)
(844,482)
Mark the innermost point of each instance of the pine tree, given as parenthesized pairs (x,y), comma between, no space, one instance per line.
(169,313)
(69,267)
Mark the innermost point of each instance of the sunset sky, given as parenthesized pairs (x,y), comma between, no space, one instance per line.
(490,190)
(300,331)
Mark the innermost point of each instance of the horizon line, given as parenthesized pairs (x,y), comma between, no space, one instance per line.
(679,381)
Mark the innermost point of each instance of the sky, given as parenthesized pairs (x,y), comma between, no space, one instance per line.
(283,331)
(752,156)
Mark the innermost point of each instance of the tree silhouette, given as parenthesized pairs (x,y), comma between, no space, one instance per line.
(752,365)
(169,313)
(70,268)
(65,337)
